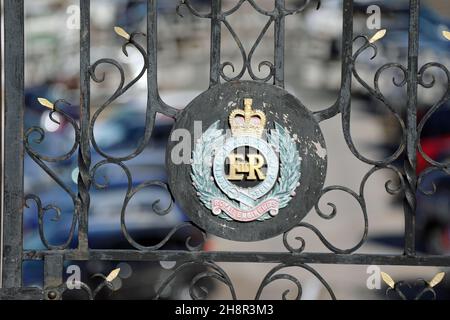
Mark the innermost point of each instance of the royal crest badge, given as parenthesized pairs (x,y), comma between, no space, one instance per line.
(248,174)
(246,161)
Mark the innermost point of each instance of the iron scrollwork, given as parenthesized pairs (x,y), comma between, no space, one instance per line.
(377,165)
(274,275)
(42,160)
(77,285)
(391,187)
(433,164)
(279,13)
(405,177)
(196,292)
(120,162)
(422,289)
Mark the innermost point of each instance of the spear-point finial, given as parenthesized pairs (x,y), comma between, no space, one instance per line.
(377,36)
(121,32)
(44,102)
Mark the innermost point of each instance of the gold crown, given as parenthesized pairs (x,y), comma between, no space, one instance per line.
(247,122)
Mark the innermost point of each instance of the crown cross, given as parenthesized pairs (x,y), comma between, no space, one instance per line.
(247,122)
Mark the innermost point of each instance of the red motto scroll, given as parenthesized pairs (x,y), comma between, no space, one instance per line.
(220,205)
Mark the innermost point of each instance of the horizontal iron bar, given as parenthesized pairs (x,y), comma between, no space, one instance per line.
(251,257)
(21,294)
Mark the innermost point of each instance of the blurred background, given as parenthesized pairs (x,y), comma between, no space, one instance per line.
(313,68)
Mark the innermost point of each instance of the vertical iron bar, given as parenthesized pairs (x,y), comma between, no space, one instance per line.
(13,166)
(343,103)
(411,129)
(53,274)
(152,52)
(216,36)
(347,54)
(279,43)
(84,154)
(1,145)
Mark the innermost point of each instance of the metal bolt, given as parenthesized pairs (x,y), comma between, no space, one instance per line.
(52,295)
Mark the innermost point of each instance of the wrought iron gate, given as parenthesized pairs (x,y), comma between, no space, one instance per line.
(16,143)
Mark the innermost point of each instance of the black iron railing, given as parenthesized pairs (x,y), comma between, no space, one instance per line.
(17,143)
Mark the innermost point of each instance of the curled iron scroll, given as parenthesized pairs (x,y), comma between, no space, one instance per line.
(278,12)
(153,106)
(434,165)
(195,291)
(391,187)
(42,160)
(273,275)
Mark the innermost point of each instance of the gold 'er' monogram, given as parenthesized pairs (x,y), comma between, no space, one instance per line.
(247,122)
(252,167)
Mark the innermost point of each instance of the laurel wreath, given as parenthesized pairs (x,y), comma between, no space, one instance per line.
(283,190)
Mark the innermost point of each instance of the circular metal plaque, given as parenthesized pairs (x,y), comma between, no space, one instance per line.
(285,167)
